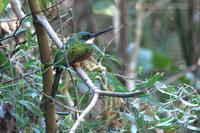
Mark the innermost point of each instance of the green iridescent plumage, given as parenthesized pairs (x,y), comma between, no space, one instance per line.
(77,49)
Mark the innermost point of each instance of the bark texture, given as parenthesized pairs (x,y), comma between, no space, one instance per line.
(49,107)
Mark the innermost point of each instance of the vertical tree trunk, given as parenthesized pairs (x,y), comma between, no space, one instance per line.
(138,36)
(193,32)
(188,32)
(49,107)
(120,20)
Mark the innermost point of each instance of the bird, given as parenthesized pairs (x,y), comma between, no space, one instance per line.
(78,47)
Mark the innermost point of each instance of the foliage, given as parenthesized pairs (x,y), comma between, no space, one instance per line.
(169,106)
(3,4)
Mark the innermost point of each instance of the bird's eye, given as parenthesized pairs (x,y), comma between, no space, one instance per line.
(85,37)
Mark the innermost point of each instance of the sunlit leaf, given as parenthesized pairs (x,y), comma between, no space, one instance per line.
(188,103)
(193,128)
(167,123)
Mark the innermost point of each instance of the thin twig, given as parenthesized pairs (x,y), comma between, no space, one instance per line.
(67,61)
(86,79)
(21,20)
(66,58)
(50,98)
(25,75)
(120,94)
(97,90)
(20,77)
(108,44)
(182,73)
(14,33)
(97,94)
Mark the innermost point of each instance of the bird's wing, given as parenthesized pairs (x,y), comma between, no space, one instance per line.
(76,51)
(59,58)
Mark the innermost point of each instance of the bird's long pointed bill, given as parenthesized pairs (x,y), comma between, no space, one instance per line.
(102,32)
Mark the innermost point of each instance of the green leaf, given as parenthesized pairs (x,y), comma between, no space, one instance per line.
(151,100)
(141,123)
(166,123)
(31,107)
(184,79)
(188,103)
(113,58)
(151,81)
(3,4)
(4,62)
(160,60)
(24,47)
(115,83)
(171,91)
(139,119)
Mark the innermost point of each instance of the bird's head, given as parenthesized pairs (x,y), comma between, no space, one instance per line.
(89,37)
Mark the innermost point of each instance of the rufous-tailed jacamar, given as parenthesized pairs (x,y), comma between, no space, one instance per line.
(78,48)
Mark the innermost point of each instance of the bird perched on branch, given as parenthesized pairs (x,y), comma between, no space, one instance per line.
(78,48)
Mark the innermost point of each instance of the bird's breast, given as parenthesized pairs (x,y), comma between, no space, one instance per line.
(84,57)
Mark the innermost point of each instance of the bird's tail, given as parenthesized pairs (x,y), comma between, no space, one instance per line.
(56,81)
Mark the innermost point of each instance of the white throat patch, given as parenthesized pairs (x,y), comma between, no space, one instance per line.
(90,41)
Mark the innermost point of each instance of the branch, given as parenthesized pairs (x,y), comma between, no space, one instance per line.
(138,38)
(85,78)
(50,98)
(16,6)
(97,90)
(85,112)
(97,94)
(20,77)
(45,24)
(20,20)
(120,94)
